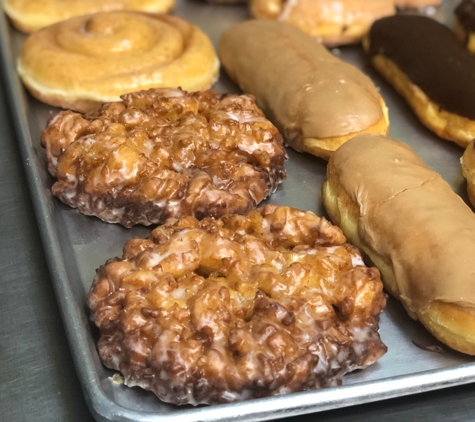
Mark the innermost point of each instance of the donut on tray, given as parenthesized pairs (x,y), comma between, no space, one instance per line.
(88,60)
(165,153)
(237,308)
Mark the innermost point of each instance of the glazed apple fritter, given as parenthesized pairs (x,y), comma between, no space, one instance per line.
(165,153)
(228,309)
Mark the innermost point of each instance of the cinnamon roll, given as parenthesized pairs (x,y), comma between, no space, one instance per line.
(87,60)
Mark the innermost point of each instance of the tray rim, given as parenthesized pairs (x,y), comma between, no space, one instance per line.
(103,407)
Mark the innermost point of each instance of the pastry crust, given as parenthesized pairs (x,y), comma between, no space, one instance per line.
(331,22)
(468,170)
(31,15)
(317,101)
(413,227)
(88,60)
(165,153)
(238,308)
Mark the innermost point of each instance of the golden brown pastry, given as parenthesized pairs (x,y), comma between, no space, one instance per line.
(468,170)
(434,75)
(316,100)
(237,308)
(417,4)
(165,153)
(464,25)
(31,15)
(413,227)
(87,60)
(333,22)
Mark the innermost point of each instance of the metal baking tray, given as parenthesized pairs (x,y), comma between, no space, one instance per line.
(75,245)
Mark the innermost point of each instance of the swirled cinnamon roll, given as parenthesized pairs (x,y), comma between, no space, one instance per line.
(92,59)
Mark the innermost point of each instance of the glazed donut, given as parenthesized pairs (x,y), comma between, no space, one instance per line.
(413,227)
(464,25)
(165,153)
(333,22)
(237,308)
(316,100)
(31,15)
(434,75)
(88,60)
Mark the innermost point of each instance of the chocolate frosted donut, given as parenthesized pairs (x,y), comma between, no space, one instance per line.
(87,60)
(238,308)
(436,75)
(165,153)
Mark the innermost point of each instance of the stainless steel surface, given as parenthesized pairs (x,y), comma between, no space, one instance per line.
(75,245)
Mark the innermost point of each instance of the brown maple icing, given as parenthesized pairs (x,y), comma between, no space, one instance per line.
(412,218)
(429,54)
(465,13)
(305,90)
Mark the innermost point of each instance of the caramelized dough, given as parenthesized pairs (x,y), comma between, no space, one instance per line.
(165,153)
(31,15)
(332,22)
(87,60)
(413,227)
(238,308)
(435,75)
(316,100)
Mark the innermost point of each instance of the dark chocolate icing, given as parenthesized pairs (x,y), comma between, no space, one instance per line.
(429,54)
(465,13)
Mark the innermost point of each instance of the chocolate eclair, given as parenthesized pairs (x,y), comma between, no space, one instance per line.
(423,61)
